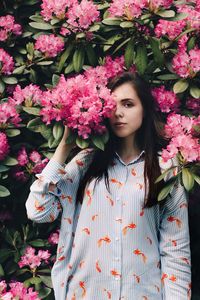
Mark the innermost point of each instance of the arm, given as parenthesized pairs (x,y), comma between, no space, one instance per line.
(43,203)
(175,247)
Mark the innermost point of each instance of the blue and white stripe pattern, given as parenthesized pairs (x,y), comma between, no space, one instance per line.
(110,247)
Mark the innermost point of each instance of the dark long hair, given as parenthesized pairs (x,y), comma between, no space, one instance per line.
(149,138)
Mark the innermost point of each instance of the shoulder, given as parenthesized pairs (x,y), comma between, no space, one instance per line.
(83,157)
(171,165)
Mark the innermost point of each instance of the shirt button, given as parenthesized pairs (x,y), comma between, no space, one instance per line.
(117,278)
(117,258)
(117,198)
(117,238)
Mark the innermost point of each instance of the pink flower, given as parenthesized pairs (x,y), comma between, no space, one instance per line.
(8,114)
(19,291)
(154,5)
(51,44)
(82,15)
(30,95)
(187,65)
(7,62)
(4,146)
(54,238)
(19,174)
(57,8)
(8,26)
(22,157)
(35,157)
(194,105)
(167,100)
(170,28)
(3,286)
(192,14)
(127,8)
(33,260)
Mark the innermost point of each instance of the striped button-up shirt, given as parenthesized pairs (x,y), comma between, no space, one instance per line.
(111,247)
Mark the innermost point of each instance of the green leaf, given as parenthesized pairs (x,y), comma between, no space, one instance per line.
(91,55)
(112,21)
(188,179)
(10,161)
(129,54)
(162,176)
(46,280)
(126,24)
(4,254)
(46,132)
(44,292)
(168,76)
(111,41)
(166,13)
(69,68)
(141,58)
(64,57)
(32,110)
(180,86)
(78,59)
(32,280)
(191,43)
(155,46)
(57,131)
(196,178)
(41,25)
(10,80)
(180,16)
(55,79)
(81,143)
(94,28)
(165,191)
(36,125)
(195,92)
(52,142)
(45,63)
(2,87)
(19,70)
(12,132)
(4,192)
(105,137)
(121,45)
(38,243)
(3,168)
(1,271)
(98,142)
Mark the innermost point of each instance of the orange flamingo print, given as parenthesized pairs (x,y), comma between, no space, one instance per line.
(68,220)
(105,239)
(69,198)
(82,286)
(172,278)
(81,264)
(109,295)
(174,242)
(137,278)
(115,273)
(86,230)
(39,207)
(61,171)
(98,267)
(189,290)
(110,200)
(133,172)
(140,186)
(74,296)
(186,260)
(61,258)
(113,180)
(144,297)
(94,217)
(138,252)
(51,187)
(131,226)
(69,266)
(69,179)
(142,212)
(157,288)
(79,163)
(183,205)
(150,240)
(164,276)
(88,194)
(52,217)
(174,219)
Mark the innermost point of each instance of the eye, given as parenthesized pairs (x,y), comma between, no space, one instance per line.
(128,104)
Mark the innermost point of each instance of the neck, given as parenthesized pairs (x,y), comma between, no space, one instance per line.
(128,149)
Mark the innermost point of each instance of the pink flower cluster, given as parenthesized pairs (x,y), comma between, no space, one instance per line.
(56,8)
(54,238)
(166,100)
(4,146)
(31,163)
(8,114)
(51,45)
(194,105)
(127,8)
(84,101)
(192,14)
(28,96)
(154,5)
(82,15)
(182,138)
(7,62)
(187,64)
(33,260)
(17,291)
(170,28)
(8,26)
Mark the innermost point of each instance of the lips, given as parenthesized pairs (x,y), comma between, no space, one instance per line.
(119,124)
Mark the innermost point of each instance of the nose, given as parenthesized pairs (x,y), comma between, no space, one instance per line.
(119,112)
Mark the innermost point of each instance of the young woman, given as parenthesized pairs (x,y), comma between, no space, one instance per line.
(116,241)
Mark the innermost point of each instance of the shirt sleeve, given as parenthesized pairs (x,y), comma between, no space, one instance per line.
(175,247)
(43,203)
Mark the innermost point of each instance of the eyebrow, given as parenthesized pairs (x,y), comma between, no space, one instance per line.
(127,99)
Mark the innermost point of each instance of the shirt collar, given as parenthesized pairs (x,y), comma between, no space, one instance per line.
(136,159)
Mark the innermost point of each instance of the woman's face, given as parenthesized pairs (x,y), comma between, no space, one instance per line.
(128,115)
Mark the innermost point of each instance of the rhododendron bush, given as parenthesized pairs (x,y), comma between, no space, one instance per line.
(56,58)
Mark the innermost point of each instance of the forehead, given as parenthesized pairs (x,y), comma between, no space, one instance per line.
(125,91)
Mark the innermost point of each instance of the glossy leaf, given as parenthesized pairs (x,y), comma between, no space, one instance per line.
(188,179)
(4,192)
(180,86)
